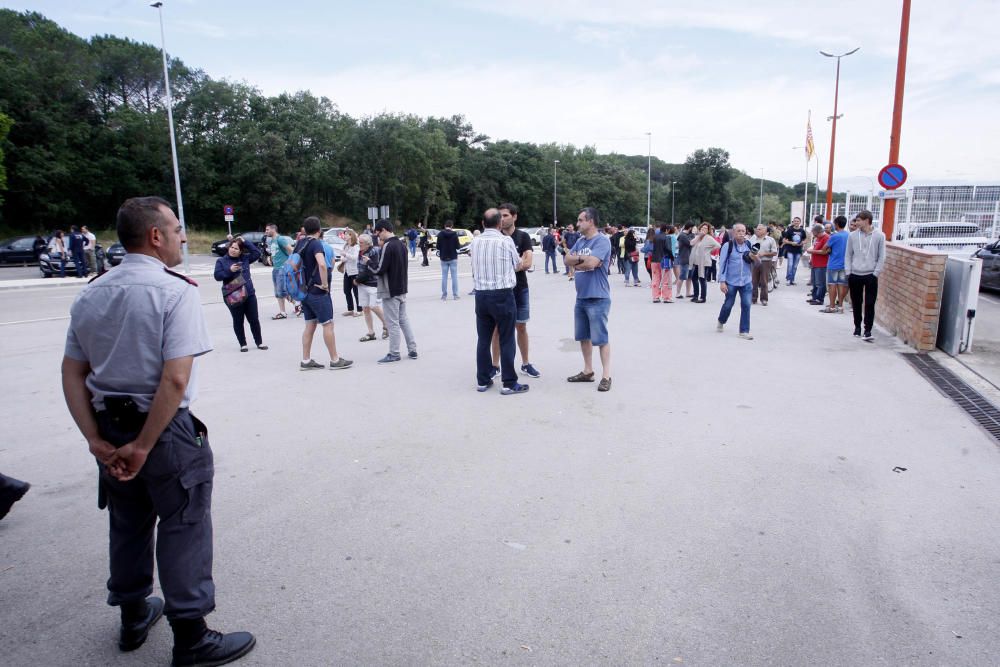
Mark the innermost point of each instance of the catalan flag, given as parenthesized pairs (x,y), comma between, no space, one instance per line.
(810,146)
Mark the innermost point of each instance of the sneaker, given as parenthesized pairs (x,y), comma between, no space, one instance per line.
(857,332)
(681,296)
(388,359)
(483,387)
(495,371)
(444,297)
(309,365)
(244,348)
(746,335)
(528,369)
(763,303)
(455,298)
(340,364)
(516,389)
(412,354)
(719,326)
(868,336)
(656,301)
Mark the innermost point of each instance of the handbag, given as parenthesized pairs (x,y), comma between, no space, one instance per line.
(633,256)
(235,291)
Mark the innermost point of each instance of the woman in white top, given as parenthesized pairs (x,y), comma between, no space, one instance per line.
(349,258)
(57,250)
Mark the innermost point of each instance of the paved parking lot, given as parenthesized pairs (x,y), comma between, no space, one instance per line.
(728,502)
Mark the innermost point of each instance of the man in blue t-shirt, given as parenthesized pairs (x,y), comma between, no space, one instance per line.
(836,276)
(590,259)
(317,306)
(280,247)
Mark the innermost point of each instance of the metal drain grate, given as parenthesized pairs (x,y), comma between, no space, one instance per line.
(985,413)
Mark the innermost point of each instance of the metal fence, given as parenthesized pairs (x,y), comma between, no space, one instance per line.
(956,219)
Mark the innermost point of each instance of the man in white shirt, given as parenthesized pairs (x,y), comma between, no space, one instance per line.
(90,249)
(494,260)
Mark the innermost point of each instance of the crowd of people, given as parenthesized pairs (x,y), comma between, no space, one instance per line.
(130,395)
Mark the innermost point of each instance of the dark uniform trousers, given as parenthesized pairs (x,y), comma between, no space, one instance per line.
(174,486)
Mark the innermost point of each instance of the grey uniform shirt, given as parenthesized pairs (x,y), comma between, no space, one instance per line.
(128,322)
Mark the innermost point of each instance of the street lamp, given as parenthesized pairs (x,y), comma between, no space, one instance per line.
(673,184)
(555,192)
(649,174)
(173,141)
(833,135)
(760,211)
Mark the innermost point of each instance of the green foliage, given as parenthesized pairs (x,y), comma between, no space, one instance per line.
(88,127)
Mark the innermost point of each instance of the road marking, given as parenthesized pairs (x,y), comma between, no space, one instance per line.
(44,319)
(991,299)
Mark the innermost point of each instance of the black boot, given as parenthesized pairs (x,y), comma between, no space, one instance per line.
(137,619)
(196,645)
(11,490)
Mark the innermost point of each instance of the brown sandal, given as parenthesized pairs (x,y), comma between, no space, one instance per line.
(605,385)
(581,377)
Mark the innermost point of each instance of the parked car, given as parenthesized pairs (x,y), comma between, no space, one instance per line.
(257,238)
(464,239)
(334,237)
(115,254)
(535,234)
(50,267)
(18,250)
(990,278)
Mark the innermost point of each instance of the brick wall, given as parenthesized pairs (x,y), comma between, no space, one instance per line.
(909,299)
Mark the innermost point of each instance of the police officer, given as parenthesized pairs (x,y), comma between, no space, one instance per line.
(129,378)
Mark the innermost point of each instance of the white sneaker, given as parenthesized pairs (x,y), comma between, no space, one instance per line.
(746,336)
(719,327)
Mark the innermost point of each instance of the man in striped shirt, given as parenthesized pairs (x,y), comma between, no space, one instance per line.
(494,259)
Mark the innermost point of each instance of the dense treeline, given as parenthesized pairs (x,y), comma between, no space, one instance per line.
(83,125)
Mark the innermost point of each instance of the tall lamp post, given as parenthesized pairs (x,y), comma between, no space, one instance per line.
(555,193)
(173,140)
(760,210)
(833,135)
(649,174)
(673,184)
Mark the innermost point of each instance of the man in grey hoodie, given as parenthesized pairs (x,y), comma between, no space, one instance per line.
(863,263)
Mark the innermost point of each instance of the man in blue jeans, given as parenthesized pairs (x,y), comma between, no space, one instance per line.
(792,241)
(735,278)
(447,246)
(549,248)
(494,260)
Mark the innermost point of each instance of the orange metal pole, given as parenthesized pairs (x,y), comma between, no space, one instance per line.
(889,206)
(833,147)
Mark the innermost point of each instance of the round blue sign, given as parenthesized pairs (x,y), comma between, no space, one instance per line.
(892,176)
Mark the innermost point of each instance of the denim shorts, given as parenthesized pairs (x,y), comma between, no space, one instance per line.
(317,307)
(836,277)
(685,271)
(522,305)
(590,320)
(279,284)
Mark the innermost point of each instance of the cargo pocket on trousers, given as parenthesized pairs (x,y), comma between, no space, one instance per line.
(197,484)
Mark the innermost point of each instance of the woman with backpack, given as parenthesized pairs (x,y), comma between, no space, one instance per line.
(233,271)
(631,252)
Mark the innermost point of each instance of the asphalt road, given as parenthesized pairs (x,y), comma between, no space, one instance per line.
(727,503)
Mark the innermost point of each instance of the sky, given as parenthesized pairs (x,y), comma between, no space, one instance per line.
(740,75)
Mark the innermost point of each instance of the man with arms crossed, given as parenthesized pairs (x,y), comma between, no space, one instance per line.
(590,258)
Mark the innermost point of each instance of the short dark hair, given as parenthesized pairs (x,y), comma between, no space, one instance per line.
(311,225)
(136,217)
(840,221)
(74,229)
(818,218)
(663,228)
(272,225)
(591,214)
(865,214)
(688,225)
(491,218)
(383,225)
(507,206)
(449,224)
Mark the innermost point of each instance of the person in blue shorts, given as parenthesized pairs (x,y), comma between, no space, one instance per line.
(590,259)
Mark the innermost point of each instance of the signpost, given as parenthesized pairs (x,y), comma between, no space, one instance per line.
(227,212)
(892,194)
(376,213)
